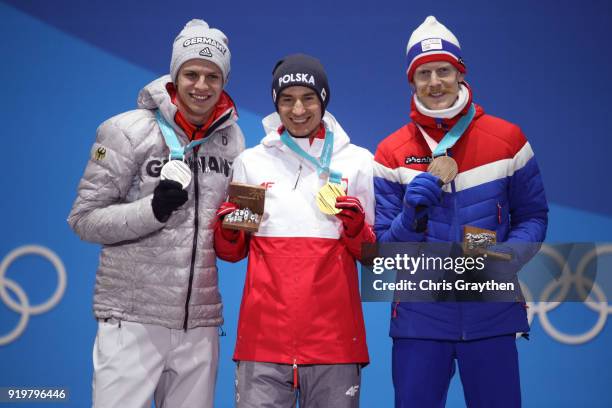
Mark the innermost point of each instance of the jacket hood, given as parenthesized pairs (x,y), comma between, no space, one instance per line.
(272,123)
(155,96)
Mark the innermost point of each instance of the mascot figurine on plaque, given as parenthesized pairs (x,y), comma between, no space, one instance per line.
(249,202)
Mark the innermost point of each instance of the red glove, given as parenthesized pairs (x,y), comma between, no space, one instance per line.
(225,209)
(352,215)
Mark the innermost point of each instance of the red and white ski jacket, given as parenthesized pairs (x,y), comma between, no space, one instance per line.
(301,302)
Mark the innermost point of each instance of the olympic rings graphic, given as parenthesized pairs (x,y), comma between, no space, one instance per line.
(563,285)
(24,306)
(560,286)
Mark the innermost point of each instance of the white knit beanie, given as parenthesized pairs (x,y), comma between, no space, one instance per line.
(198,40)
(432,41)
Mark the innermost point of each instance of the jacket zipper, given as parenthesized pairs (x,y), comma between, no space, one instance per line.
(394,313)
(463,336)
(195,237)
(195,167)
(456,235)
(298,176)
(499,213)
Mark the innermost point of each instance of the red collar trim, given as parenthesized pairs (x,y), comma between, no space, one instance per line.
(319,135)
(195,132)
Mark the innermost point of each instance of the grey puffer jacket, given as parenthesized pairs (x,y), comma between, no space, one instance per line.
(152,272)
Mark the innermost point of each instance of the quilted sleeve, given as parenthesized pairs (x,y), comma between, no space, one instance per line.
(390,223)
(100,213)
(528,205)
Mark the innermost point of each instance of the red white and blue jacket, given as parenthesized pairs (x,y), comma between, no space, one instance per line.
(301,302)
(498,187)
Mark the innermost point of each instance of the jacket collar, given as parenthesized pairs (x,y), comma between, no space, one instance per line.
(437,127)
(155,96)
(272,123)
(222,112)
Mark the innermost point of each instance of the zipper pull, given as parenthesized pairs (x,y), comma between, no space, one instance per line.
(394,314)
(499,220)
(295,374)
(298,176)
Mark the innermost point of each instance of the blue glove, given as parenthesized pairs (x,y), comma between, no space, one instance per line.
(423,192)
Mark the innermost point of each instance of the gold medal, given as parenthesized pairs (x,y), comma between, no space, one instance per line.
(326,198)
(444,167)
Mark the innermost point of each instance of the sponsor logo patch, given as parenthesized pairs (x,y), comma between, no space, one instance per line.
(431,44)
(351,392)
(206,52)
(418,160)
(344,184)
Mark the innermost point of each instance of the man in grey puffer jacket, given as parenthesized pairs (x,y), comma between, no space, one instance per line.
(156,296)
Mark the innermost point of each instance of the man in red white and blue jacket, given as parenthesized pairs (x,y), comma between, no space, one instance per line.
(498,187)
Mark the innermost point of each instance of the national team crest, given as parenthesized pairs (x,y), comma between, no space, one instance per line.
(99,153)
(345,184)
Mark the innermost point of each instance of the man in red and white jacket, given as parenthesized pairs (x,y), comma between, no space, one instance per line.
(301,331)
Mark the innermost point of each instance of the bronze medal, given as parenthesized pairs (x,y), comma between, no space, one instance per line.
(326,198)
(444,167)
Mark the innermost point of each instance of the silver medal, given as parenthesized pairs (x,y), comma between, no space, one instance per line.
(178,171)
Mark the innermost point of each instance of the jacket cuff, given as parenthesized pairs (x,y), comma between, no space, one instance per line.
(402,228)
(231,250)
(365,236)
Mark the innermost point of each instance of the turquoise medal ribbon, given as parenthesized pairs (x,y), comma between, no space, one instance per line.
(453,135)
(321,164)
(177,151)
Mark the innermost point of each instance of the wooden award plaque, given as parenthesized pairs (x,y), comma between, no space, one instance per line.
(250,200)
(477,240)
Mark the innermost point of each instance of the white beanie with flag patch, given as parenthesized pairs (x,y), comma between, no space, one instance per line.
(198,40)
(432,41)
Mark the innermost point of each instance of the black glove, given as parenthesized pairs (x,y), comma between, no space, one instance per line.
(167,197)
